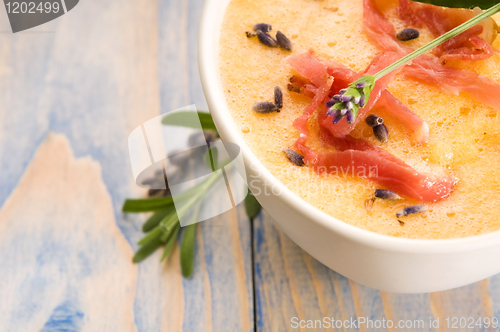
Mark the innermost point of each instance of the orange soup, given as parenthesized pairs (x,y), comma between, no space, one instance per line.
(464,136)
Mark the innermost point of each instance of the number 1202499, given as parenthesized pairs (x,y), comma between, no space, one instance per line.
(471,322)
(32,8)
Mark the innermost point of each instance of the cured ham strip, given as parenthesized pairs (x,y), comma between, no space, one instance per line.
(438,19)
(381,61)
(316,72)
(454,81)
(359,158)
(466,46)
(424,69)
(456,49)
(356,156)
(370,165)
(397,109)
(380,31)
(351,143)
(308,65)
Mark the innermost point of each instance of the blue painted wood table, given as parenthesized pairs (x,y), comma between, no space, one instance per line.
(71,91)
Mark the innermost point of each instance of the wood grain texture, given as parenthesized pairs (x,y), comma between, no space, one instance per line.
(102,70)
(93,76)
(63,258)
(290,283)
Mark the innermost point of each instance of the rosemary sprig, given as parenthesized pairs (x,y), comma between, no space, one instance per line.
(252,206)
(348,102)
(163,227)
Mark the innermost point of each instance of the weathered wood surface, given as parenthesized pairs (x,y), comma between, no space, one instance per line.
(99,72)
(92,76)
(290,283)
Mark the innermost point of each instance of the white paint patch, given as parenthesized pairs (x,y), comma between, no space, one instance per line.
(60,248)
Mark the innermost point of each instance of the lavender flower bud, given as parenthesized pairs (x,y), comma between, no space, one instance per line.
(381,133)
(283,41)
(278,97)
(349,117)
(412,210)
(338,116)
(264,107)
(407,34)
(362,101)
(349,100)
(294,156)
(265,39)
(374,120)
(264,27)
(386,194)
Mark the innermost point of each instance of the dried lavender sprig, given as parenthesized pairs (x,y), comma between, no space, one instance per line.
(264,107)
(278,97)
(381,133)
(348,101)
(264,27)
(283,41)
(386,194)
(373,120)
(365,84)
(266,39)
(412,210)
(294,156)
(408,34)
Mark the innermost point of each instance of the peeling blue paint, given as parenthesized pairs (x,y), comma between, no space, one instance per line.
(65,318)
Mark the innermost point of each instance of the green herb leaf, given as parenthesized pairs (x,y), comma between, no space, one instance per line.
(252,206)
(483,4)
(147,204)
(170,242)
(156,233)
(168,224)
(153,243)
(155,219)
(211,158)
(187,250)
(185,119)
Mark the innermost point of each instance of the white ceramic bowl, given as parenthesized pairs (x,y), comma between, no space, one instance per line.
(375,260)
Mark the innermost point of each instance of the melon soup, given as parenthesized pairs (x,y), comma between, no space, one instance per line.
(464,134)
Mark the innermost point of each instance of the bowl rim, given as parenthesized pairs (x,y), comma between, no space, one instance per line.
(208,63)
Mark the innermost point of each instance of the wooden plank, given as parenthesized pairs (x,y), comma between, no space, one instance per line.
(290,283)
(219,297)
(63,257)
(410,308)
(494,293)
(103,70)
(467,304)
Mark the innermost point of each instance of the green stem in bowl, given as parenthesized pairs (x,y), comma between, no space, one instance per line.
(348,102)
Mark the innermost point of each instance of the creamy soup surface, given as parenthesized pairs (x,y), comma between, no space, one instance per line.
(464,134)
